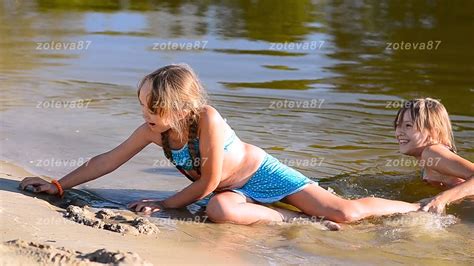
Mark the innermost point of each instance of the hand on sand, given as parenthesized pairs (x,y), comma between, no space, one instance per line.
(36,184)
(147,206)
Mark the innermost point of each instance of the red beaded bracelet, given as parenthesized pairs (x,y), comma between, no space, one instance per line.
(59,187)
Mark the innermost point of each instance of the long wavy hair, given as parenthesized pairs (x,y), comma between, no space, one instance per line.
(176,90)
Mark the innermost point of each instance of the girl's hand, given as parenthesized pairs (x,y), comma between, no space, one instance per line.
(146,206)
(435,204)
(37,185)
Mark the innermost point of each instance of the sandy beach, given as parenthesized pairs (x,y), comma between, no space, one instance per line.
(35,231)
(41,229)
(315,84)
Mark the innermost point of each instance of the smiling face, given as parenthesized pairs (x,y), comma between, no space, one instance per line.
(411,141)
(154,121)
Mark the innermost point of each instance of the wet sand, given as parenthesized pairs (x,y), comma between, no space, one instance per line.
(38,228)
(35,231)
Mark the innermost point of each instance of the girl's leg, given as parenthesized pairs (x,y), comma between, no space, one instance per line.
(316,201)
(231,207)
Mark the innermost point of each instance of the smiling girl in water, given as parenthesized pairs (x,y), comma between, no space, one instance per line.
(423,130)
(204,148)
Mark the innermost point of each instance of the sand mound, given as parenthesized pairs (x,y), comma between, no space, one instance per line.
(48,255)
(110,220)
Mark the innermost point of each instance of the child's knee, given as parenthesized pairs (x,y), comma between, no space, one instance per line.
(219,210)
(349,212)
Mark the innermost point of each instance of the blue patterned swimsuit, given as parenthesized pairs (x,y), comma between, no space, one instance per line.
(270,183)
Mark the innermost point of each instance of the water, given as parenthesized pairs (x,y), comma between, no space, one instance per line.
(350,82)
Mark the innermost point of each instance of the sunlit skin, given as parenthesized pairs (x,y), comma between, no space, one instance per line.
(410,140)
(235,201)
(442,167)
(220,171)
(238,161)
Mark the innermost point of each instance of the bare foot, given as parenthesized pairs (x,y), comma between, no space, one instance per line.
(333,226)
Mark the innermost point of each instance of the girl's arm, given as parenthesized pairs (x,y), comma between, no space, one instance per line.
(212,157)
(449,163)
(97,166)
(459,192)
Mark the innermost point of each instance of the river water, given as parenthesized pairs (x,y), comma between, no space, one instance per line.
(316,84)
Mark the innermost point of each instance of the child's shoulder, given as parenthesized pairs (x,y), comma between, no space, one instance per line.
(208,109)
(210,119)
(209,114)
(436,151)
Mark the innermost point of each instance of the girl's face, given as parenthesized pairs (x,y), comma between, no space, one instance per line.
(410,140)
(154,121)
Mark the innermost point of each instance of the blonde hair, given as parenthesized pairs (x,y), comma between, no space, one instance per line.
(431,115)
(175,89)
